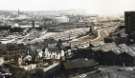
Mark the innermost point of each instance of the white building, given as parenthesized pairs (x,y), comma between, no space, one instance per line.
(61,19)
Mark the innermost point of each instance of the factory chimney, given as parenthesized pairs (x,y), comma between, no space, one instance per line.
(18,13)
(33,24)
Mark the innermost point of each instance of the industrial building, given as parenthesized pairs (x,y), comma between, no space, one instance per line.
(130,21)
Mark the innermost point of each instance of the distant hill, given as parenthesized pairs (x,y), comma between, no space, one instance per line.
(7,13)
(43,13)
(58,12)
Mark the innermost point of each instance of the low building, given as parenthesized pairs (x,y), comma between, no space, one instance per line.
(79,63)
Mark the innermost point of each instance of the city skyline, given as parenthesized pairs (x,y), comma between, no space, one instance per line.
(103,7)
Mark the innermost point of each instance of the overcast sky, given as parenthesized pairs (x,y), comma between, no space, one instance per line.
(91,6)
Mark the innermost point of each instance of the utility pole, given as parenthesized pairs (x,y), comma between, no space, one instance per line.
(69,39)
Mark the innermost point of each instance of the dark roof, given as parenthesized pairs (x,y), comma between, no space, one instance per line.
(109,72)
(79,63)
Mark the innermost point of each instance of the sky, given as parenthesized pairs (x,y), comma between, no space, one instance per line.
(103,7)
